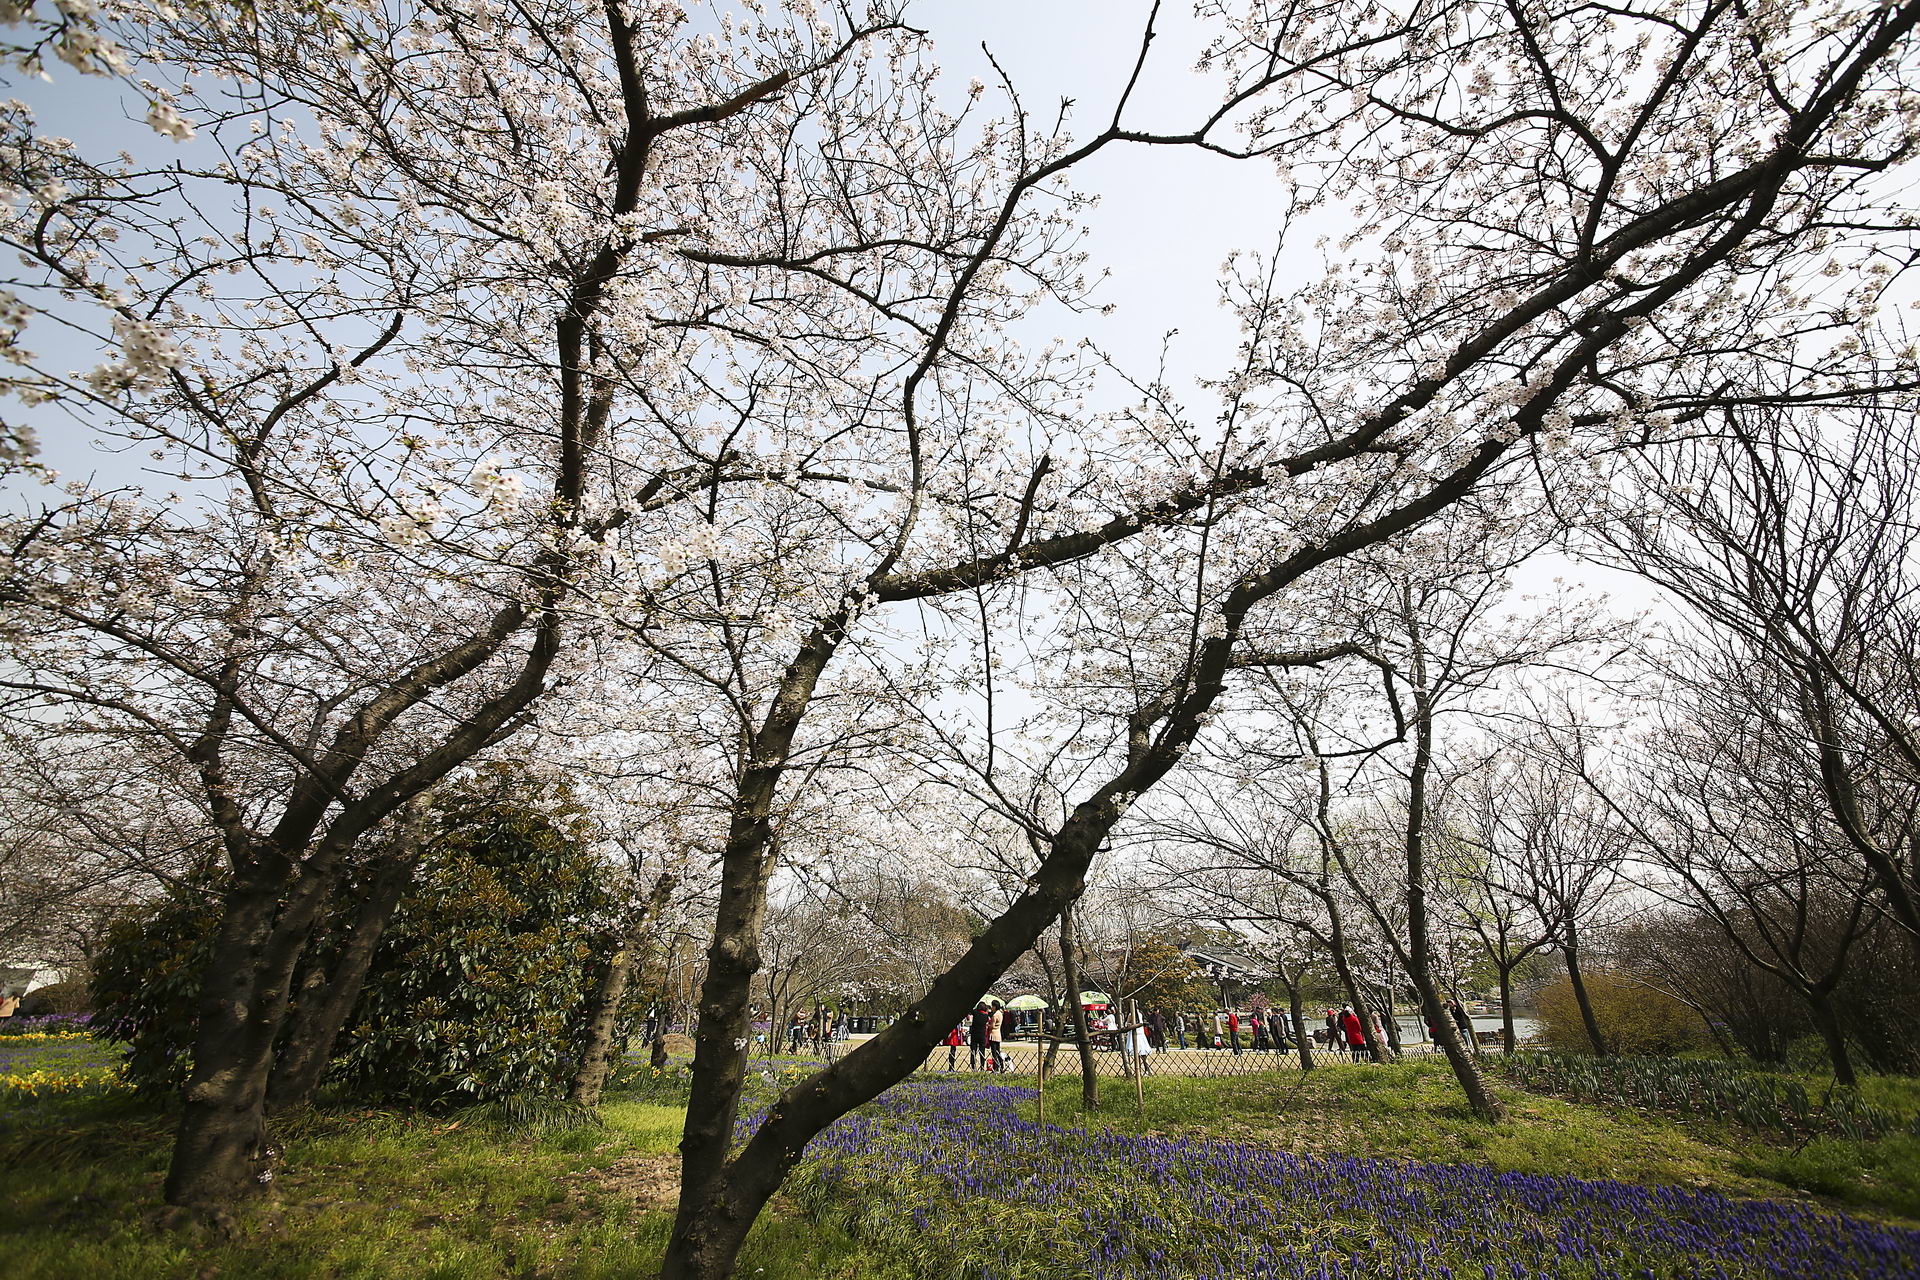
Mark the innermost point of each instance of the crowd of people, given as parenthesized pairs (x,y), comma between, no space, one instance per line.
(984,1031)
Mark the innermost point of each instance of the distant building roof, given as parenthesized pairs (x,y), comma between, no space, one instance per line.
(1236,965)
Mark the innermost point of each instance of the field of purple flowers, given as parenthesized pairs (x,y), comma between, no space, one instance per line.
(957,1178)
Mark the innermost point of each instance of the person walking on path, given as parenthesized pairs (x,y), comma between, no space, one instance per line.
(953,1046)
(1277,1032)
(1335,1037)
(1157,1030)
(1233,1030)
(1356,1034)
(1259,1034)
(977,1038)
(994,1021)
(1180,1029)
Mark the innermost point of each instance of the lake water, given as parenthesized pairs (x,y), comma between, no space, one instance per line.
(1413,1028)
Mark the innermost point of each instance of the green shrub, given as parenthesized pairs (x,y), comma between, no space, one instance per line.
(477,986)
(1719,1090)
(146,982)
(1635,1018)
(476,992)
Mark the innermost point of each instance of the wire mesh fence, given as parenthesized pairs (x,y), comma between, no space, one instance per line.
(1111,1058)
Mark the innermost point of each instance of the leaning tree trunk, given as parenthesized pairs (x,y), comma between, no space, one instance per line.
(603,1010)
(1580,997)
(1466,1068)
(219,1151)
(1070,964)
(1343,968)
(327,998)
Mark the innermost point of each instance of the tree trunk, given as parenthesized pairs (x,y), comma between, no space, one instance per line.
(1827,1023)
(1391,1023)
(1466,1068)
(1303,1038)
(1336,935)
(219,1151)
(603,1013)
(1579,984)
(1070,963)
(328,999)
(711,1220)
(596,1056)
(1508,1041)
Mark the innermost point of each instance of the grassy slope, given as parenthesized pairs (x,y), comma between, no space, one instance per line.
(1415,1111)
(374,1196)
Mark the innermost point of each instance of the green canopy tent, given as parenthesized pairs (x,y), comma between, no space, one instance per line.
(1020,1015)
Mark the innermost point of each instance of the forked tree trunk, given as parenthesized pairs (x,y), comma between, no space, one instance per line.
(1070,966)
(603,1012)
(327,998)
(219,1151)
(716,1214)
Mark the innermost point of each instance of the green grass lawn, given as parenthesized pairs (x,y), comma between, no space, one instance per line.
(21,1054)
(374,1194)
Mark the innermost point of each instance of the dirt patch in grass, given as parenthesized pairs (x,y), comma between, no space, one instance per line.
(647,1181)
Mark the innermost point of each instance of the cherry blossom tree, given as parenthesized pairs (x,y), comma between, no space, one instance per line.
(434,309)
(1568,275)
(506,321)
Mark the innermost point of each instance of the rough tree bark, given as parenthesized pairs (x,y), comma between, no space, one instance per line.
(1070,963)
(220,1148)
(603,1012)
(328,995)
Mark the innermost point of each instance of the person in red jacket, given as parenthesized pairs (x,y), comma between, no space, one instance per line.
(1355,1033)
(953,1046)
